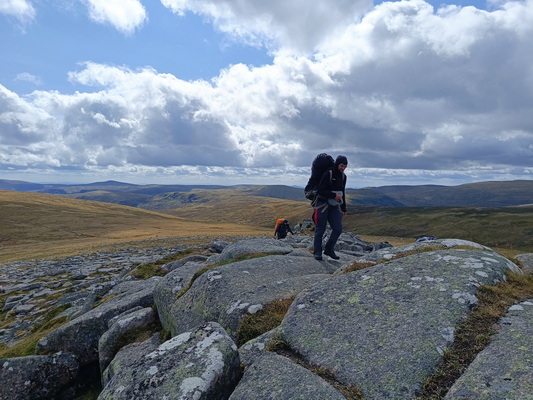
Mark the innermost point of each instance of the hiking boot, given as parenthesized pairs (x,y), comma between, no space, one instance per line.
(332,254)
(318,257)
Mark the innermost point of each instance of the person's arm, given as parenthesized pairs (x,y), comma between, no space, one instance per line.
(343,205)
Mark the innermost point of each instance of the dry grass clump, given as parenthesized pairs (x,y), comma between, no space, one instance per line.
(475,333)
(148,270)
(266,319)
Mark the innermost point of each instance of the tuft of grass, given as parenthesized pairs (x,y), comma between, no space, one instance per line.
(475,333)
(266,319)
(148,270)
(103,300)
(356,266)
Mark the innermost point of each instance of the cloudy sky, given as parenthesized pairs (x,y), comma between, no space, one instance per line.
(249,91)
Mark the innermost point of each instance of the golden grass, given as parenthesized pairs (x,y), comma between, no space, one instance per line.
(34,225)
(226,206)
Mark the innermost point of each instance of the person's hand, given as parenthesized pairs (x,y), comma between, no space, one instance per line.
(338,198)
(344,213)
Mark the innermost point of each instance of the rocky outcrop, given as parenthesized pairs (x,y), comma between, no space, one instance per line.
(119,327)
(201,364)
(81,335)
(361,325)
(526,260)
(226,293)
(378,331)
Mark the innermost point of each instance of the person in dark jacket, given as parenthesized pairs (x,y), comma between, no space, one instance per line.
(283,229)
(330,206)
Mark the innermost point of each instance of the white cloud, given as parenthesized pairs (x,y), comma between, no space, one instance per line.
(21,9)
(124,15)
(27,77)
(405,91)
(298,24)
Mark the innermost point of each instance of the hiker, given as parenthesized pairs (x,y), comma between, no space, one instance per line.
(282,229)
(330,206)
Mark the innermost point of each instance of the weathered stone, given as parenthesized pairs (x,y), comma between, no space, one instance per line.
(202,364)
(166,292)
(388,253)
(81,335)
(110,342)
(171,266)
(385,328)
(36,377)
(226,293)
(251,246)
(504,369)
(255,348)
(526,260)
(127,357)
(277,378)
(218,245)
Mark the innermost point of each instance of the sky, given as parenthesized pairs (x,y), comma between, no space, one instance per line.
(228,92)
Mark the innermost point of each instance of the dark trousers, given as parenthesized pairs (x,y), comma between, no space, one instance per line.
(333,215)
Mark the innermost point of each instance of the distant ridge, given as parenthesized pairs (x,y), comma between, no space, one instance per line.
(481,194)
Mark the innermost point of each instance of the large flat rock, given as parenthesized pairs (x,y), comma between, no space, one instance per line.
(384,328)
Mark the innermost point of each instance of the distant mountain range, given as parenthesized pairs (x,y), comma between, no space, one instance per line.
(155,197)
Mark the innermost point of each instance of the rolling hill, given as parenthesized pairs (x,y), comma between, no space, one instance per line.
(36,225)
(152,197)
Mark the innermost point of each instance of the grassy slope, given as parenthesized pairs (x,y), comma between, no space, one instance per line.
(488,194)
(233,206)
(505,227)
(38,225)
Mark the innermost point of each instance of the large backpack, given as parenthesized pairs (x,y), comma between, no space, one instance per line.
(321,164)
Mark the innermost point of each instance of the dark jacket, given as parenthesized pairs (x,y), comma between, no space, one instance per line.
(337,183)
(283,229)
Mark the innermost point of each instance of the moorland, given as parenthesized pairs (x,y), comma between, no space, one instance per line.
(60,220)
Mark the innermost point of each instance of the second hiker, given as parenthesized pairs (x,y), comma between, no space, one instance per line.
(330,206)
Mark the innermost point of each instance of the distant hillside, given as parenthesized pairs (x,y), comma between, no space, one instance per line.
(35,225)
(497,227)
(156,197)
(482,194)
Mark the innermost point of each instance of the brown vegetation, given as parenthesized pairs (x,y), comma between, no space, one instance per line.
(39,225)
